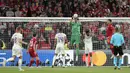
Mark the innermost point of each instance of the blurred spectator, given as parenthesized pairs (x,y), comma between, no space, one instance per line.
(10,13)
(66,8)
(18,13)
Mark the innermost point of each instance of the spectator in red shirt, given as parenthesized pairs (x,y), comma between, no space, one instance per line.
(2,3)
(109,33)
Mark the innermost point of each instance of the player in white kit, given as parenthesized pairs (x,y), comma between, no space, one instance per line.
(88,46)
(17,47)
(60,38)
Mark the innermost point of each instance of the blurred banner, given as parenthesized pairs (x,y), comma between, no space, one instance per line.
(109,62)
(46,57)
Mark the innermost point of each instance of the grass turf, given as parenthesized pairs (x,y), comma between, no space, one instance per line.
(65,70)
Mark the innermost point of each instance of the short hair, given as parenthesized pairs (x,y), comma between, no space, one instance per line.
(87,31)
(18,29)
(117,29)
(34,34)
(110,20)
(60,29)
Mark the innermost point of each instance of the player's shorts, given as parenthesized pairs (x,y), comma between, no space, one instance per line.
(60,48)
(118,50)
(75,39)
(32,53)
(17,50)
(88,47)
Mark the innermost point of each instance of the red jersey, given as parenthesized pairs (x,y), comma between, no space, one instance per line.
(33,42)
(110,30)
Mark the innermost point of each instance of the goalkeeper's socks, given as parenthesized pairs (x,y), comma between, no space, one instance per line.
(76,58)
(20,64)
(120,61)
(115,61)
(31,62)
(77,53)
(37,62)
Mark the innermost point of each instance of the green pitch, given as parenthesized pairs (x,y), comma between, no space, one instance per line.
(65,70)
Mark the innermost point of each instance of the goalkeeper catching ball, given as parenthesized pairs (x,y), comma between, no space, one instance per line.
(75,33)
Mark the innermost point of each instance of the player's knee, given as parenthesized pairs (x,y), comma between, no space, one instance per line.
(14,57)
(37,58)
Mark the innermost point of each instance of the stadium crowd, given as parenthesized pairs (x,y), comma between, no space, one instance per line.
(65,8)
(62,8)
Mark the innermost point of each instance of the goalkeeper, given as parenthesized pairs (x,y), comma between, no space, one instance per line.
(75,33)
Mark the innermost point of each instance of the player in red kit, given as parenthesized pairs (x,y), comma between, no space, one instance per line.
(109,33)
(32,51)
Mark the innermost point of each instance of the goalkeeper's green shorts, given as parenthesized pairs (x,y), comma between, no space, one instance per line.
(75,39)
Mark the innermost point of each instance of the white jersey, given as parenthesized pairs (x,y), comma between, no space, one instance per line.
(88,39)
(17,47)
(16,38)
(88,44)
(60,38)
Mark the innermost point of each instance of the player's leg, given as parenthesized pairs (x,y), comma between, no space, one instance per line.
(91,59)
(55,55)
(110,46)
(11,58)
(112,51)
(90,52)
(63,54)
(54,58)
(120,57)
(31,62)
(115,57)
(86,52)
(77,41)
(20,63)
(14,53)
(37,61)
(87,60)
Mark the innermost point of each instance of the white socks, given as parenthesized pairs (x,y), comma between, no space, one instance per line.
(53,59)
(87,61)
(76,58)
(91,61)
(20,63)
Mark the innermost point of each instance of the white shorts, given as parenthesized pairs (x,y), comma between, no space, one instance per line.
(60,48)
(88,47)
(17,50)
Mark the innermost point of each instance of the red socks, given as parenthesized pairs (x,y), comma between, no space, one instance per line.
(31,62)
(37,63)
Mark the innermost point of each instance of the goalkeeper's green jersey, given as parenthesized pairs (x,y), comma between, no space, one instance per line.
(75,28)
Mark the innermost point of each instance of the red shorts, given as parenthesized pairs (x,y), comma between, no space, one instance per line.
(32,53)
